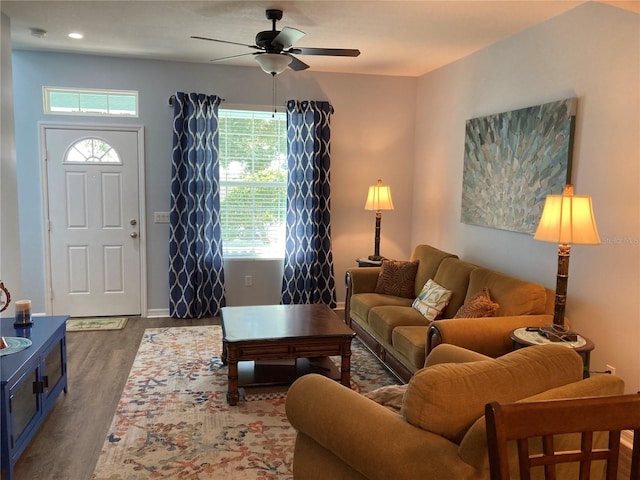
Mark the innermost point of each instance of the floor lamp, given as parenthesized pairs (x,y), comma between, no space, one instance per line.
(566,219)
(378,199)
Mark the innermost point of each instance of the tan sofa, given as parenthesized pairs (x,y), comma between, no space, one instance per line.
(439,433)
(401,337)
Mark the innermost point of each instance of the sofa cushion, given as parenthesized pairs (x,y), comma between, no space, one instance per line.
(447,399)
(382,320)
(410,341)
(429,259)
(480,305)
(515,296)
(453,274)
(362,303)
(431,300)
(397,278)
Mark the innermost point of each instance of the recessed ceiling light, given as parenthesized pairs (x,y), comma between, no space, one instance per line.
(75,35)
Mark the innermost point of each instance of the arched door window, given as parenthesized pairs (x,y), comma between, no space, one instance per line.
(92,150)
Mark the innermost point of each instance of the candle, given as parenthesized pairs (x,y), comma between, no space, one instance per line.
(23,312)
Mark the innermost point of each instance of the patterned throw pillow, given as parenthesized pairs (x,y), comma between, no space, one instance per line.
(432,300)
(480,305)
(397,278)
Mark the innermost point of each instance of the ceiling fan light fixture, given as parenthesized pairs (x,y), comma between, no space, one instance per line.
(273,63)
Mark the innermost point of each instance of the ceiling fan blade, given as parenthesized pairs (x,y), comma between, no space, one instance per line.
(334,52)
(296,64)
(226,41)
(287,37)
(232,56)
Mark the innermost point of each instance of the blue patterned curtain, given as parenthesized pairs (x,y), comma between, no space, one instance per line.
(308,263)
(196,275)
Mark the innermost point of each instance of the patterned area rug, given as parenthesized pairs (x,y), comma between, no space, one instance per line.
(92,324)
(173,420)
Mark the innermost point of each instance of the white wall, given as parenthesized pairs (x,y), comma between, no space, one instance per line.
(372,137)
(9,230)
(592,53)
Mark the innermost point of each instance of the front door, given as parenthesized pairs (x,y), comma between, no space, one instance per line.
(93,221)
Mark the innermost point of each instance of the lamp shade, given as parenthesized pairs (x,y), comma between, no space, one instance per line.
(379,197)
(273,63)
(568,219)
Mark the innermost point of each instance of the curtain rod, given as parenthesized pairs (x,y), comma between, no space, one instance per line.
(173,97)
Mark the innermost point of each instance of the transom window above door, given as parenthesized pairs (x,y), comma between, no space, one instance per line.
(90,102)
(92,150)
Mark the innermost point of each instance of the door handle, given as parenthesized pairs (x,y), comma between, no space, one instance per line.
(133,234)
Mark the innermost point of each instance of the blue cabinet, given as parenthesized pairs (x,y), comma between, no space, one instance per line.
(32,380)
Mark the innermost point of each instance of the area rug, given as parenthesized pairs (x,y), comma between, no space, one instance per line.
(173,420)
(96,323)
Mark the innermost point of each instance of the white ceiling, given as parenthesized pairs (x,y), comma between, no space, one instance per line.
(407,38)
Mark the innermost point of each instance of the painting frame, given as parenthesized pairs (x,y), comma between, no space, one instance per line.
(513,160)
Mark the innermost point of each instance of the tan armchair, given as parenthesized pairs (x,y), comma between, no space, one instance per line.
(440,430)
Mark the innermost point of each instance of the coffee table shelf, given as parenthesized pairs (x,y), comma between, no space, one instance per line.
(252,375)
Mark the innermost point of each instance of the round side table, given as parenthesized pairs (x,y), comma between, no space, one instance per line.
(523,337)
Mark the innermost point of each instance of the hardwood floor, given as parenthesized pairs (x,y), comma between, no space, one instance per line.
(68,443)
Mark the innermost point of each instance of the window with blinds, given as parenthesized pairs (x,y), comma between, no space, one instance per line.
(253,181)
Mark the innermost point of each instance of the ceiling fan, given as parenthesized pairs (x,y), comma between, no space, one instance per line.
(275,48)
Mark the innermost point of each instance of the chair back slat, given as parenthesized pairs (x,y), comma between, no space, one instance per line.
(635,456)
(584,416)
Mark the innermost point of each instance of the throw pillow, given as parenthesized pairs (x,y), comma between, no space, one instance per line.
(397,278)
(389,396)
(480,305)
(432,300)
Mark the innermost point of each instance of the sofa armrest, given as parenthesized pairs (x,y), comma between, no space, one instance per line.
(369,438)
(486,335)
(363,279)
(359,280)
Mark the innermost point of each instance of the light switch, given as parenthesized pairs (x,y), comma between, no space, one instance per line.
(161,217)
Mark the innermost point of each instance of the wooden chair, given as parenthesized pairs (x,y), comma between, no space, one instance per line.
(522,421)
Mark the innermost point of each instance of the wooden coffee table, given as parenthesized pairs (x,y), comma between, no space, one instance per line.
(276,332)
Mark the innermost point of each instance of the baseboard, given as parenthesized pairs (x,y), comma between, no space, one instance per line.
(157,313)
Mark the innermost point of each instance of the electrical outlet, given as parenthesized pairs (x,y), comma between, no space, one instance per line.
(248,281)
(611,369)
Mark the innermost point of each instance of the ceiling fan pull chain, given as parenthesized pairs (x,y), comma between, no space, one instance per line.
(274,95)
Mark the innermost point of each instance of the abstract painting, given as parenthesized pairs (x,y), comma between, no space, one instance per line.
(512,161)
